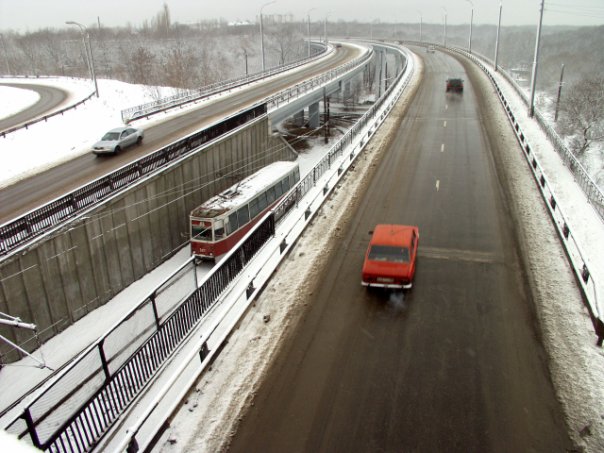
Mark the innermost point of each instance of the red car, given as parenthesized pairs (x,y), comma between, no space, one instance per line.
(390,258)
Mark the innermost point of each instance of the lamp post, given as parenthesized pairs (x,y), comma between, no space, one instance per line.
(245,56)
(471,20)
(262,33)
(535,61)
(420,25)
(308,27)
(445,28)
(8,71)
(325,26)
(88,50)
(497,39)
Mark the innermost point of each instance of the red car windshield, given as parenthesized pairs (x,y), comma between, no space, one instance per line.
(389,253)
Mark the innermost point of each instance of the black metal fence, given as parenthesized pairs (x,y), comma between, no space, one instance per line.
(188,96)
(18,232)
(77,409)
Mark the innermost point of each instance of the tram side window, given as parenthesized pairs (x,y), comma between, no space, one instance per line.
(278,189)
(255,207)
(270,195)
(285,183)
(243,216)
(233,224)
(218,229)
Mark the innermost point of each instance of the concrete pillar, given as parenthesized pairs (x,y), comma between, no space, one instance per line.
(346,91)
(313,115)
(299,118)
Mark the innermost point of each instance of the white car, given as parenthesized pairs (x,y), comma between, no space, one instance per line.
(430,49)
(117,139)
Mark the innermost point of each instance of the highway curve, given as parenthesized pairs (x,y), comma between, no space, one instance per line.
(456,364)
(50,97)
(32,192)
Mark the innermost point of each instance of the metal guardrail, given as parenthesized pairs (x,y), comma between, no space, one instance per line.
(19,232)
(188,96)
(594,193)
(108,376)
(574,251)
(44,117)
(296,91)
(592,190)
(39,221)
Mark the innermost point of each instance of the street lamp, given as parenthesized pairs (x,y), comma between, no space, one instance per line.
(445,28)
(8,71)
(88,50)
(325,26)
(497,39)
(262,33)
(420,25)
(535,62)
(308,23)
(471,20)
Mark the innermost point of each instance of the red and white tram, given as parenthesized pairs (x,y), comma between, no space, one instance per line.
(219,223)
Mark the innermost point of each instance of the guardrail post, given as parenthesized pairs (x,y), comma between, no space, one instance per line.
(203,351)
(282,246)
(585,274)
(132,446)
(600,331)
(31,428)
(104,360)
(250,289)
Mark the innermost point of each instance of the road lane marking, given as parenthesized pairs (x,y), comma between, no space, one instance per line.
(445,123)
(446,106)
(476,256)
(437,184)
(442,148)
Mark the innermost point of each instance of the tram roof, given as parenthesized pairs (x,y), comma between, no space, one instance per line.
(243,191)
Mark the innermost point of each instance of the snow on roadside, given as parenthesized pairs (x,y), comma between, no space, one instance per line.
(64,137)
(583,219)
(15,100)
(221,396)
(575,362)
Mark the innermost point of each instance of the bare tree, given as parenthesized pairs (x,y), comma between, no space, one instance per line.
(287,42)
(583,114)
(140,66)
(162,21)
(180,66)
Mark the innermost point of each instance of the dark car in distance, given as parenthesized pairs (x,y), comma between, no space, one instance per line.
(455,85)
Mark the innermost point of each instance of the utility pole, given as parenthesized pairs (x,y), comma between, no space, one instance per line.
(535,61)
(308,17)
(262,34)
(445,28)
(497,38)
(245,55)
(8,71)
(88,51)
(559,92)
(471,20)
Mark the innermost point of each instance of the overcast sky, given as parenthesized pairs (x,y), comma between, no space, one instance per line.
(30,15)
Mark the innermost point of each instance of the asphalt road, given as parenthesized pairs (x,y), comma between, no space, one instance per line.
(37,190)
(50,97)
(453,365)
